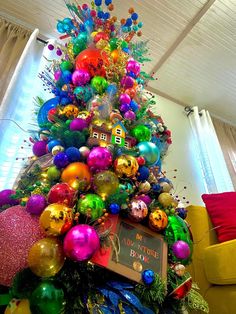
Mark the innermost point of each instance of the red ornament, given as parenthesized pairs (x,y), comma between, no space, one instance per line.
(51,114)
(62,193)
(141,160)
(99,36)
(181,291)
(92,60)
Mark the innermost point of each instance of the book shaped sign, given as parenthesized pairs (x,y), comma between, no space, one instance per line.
(140,249)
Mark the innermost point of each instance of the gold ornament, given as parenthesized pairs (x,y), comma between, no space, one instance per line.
(166,200)
(70,111)
(179,269)
(56,219)
(126,166)
(158,220)
(144,187)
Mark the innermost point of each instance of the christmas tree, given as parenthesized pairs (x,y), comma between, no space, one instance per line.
(92,226)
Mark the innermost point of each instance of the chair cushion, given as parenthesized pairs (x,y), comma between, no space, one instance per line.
(219,263)
(221,208)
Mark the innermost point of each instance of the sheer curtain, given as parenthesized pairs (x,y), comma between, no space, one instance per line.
(226,134)
(17,106)
(13,39)
(210,156)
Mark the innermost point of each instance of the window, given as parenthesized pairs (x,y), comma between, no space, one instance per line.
(118,131)
(103,137)
(126,144)
(117,140)
(95,135)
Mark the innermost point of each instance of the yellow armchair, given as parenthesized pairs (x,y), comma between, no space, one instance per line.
(213,266)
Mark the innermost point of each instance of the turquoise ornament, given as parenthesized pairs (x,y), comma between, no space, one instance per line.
(149,151)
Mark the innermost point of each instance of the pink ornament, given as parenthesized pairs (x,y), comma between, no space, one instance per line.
(124,99)
(100,158)
(40,148)
(57,75)
(130,115)
(133,66)
(127,82)
(81,242)
(181,249)
(137,210)
(78,124)
(18,232)
(80,77)
(145,198)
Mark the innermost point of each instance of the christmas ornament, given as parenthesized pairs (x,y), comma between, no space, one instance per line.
(126,166)
(99,158)
(149,151)
(56,219)
(91,205)
(18,307)
(148,276)
(158,220)
(62,193)
(105,183)
(46,257)
(81,242)
(181,250)
(36,204)
(137,210)
(77,175)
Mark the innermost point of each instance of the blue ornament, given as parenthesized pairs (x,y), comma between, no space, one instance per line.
(66,77)
(107,2)
(60,27)
(143,173)
(114,208)
(111,89)
(156,188)
(83,93)
(149,151)
(106,16)
(134,105)
(98,2)
(128,22)
(52,144)
(100,14)
(148,276)
(65,101)
(43,111)
(126,50)
(181,212)
(73,154)
(134,16)
(61,160)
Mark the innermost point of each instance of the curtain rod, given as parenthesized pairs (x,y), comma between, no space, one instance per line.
(42,40)
(189,110)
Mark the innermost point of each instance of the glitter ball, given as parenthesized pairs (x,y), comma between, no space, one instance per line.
(18,232)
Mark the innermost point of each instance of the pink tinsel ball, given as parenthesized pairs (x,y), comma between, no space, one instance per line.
(18,232)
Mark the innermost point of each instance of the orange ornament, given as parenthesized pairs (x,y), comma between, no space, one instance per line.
(93,60)
(77,175)
(131,92)
(115,55)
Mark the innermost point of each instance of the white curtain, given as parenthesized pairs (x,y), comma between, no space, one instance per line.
(17,105)
(210,155)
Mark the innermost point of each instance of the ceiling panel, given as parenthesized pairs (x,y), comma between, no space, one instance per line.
(202,70)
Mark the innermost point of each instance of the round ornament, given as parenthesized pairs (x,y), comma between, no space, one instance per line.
(137,210)
(149,151)
(77,175)
(80,77)
(40,148)
(99,158)
(148,276)
(53,173)
(126,166)
(141,133)
(105,183)
(46,257)
(62,193)
(61,160)
(91,205)
(166,200)
(81,242)
(78,124)
(70,111)
(56,219)
(5,198)
(36,204)
(158,220)
(47,298)
(181,250)
(18,307)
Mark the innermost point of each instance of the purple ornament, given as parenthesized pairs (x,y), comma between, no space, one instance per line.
(5,198)
(61,160)
(181,249)
(40,148)
(130,115)
(57,75)
(36,204)
(50,47)
(78,124)
(124,99)
(127,82)
(80,77)
(133,66)
(124,108)
(145,198)
(81,242)
(100,158)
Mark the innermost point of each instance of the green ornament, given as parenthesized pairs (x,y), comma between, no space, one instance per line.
(124,44)
(66,65)
(53,173)
(91,204)
(99,84)
(113,43)
(176,230)
(78,47)
(47,298)
(141,133)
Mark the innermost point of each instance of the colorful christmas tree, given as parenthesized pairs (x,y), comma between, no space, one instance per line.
(92,226)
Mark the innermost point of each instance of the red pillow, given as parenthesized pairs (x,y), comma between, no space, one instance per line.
(221,208)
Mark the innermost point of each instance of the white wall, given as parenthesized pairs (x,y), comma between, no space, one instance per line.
(181,155)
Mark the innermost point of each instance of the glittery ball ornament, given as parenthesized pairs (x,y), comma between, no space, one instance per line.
(138,210)
(18,232)
(148,276)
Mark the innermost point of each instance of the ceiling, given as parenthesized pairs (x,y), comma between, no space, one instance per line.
(192,45)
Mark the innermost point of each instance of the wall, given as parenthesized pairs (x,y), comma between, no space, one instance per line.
(181,154)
